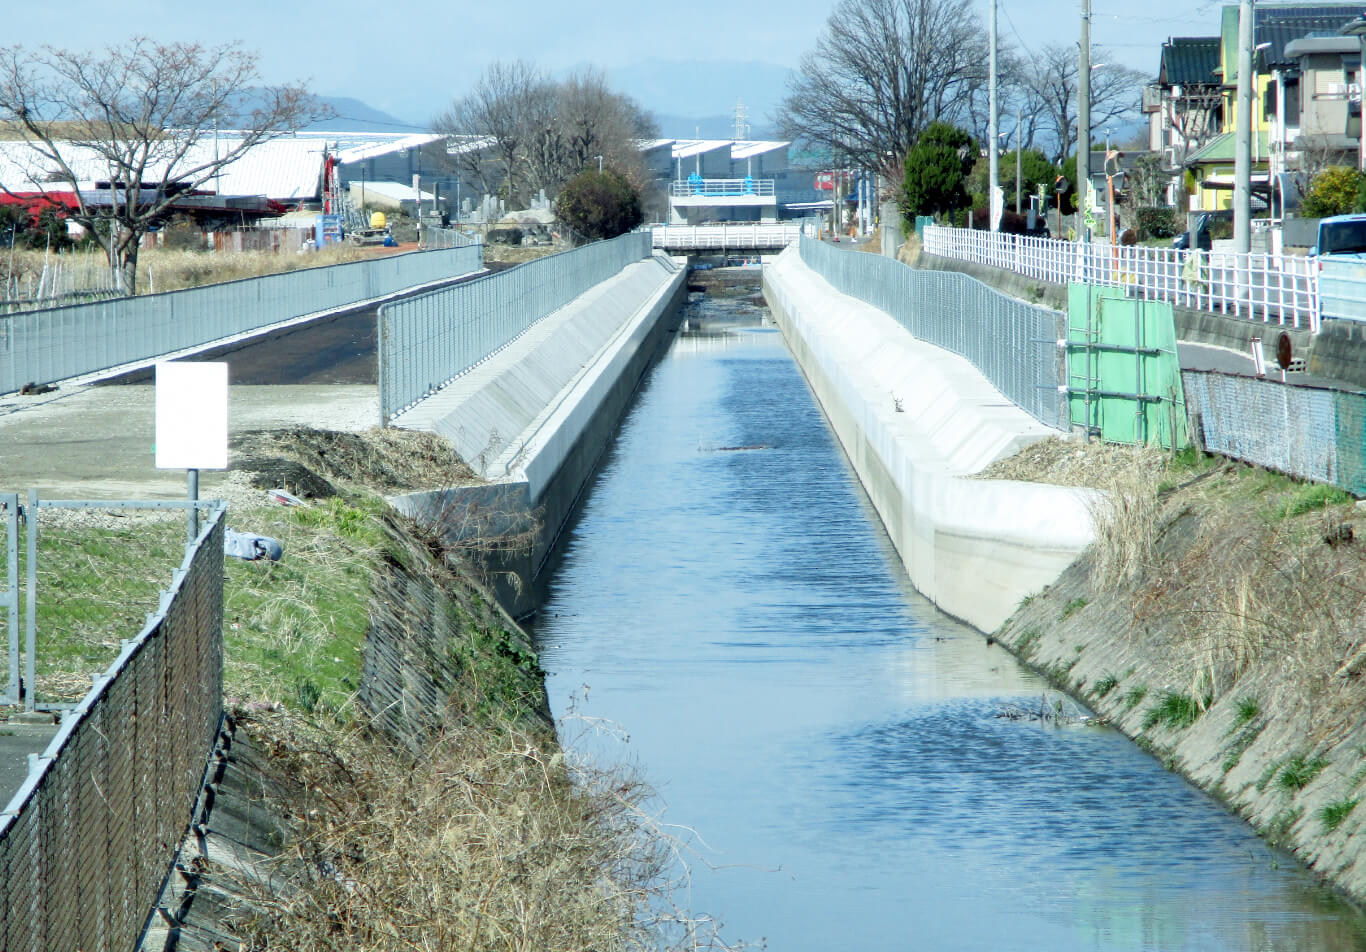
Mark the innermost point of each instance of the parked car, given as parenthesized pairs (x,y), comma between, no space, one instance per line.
(1202,237)
(1341,235)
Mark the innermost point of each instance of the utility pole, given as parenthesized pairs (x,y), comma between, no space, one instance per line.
(1242,156)
(993,143)
(1018,162)
(1084,122)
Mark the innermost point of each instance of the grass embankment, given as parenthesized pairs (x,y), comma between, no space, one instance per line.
(1219,620)
(486,838)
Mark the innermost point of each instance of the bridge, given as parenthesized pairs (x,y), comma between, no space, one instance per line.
(729,236)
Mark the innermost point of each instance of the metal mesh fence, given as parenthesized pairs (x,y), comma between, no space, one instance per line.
(439,239)
(58,343)
(1013,344)
(1311,433)
(88,840)
(428,340)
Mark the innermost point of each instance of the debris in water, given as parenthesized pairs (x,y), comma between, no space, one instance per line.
(1062,712)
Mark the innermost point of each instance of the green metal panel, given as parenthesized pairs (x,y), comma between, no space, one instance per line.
(1124,377)
(1349,426)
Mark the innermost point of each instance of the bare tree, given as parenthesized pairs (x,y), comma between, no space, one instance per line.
(495,114)
(137,118)
(881,72)
(1052,84)
(538,133)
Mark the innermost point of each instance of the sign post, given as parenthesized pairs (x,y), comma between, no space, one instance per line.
(191,424)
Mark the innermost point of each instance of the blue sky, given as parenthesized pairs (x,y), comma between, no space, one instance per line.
(411,58)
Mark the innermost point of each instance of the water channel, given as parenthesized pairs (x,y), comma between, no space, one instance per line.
(728,599)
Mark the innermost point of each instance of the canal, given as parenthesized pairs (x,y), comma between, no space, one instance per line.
(831,747)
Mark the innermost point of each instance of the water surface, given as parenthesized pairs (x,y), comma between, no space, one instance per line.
(728,598)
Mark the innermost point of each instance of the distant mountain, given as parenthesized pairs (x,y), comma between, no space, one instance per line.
(683,94)
(349,115)
(352,115)
(710,127)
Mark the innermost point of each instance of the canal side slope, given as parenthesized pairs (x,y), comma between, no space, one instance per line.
(1220,622)
(915,422)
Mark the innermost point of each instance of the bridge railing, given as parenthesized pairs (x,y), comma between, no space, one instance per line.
(739,236)
(1012,343)
(722,188)
(58,343)
(428,340)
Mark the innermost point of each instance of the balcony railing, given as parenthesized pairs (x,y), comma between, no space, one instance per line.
(697,187)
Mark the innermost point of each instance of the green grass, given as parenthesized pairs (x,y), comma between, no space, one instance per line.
(294,629)
(1248,709)
(1239,748)
(1175,711)
(1072,607)
(1028,641)
(1296,772)
(1134,697)
(96,587)
(1105,685)
(1334,813)
(1312,497)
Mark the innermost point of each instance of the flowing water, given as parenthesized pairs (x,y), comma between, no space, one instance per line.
(828,742)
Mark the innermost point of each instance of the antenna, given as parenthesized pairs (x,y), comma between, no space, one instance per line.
(741,127)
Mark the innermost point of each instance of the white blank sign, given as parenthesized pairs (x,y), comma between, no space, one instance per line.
(192,415)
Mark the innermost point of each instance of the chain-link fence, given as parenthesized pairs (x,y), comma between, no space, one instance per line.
(90,573)
(1013,344)
(428,340)
(87,841)
(54,344)
(1312,433)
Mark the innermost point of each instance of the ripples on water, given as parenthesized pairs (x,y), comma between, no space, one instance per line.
(728,598)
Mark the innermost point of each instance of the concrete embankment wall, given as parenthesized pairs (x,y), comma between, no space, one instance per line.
(535,418)
(916,421)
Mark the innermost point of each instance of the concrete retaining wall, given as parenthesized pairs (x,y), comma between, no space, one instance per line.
(536,418)
(916,422)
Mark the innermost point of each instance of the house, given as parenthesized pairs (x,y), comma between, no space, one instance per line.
(1303,73)
(1185,105)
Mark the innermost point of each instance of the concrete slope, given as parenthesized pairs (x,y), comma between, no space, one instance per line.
(536,416)
(916,421)
(492,413)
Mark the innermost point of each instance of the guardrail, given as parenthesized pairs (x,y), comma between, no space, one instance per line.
(722,188)
(58,343)
(428,340)
(88,840)
(1272,289)
(1013,344)
(739,236)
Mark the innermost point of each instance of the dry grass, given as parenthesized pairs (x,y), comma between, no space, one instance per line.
(1124,512)
(489,840)
(162,269)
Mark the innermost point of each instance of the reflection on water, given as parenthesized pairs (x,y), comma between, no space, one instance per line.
(729,599)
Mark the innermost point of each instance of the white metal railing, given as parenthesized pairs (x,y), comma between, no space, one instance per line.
(695,187)
(1273,289)
(737,235)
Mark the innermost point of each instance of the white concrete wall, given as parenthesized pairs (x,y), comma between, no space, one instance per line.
(517,416)
(916,421)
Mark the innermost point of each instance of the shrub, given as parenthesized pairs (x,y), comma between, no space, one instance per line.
(1158,222)
(1332,191)
(599,205)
